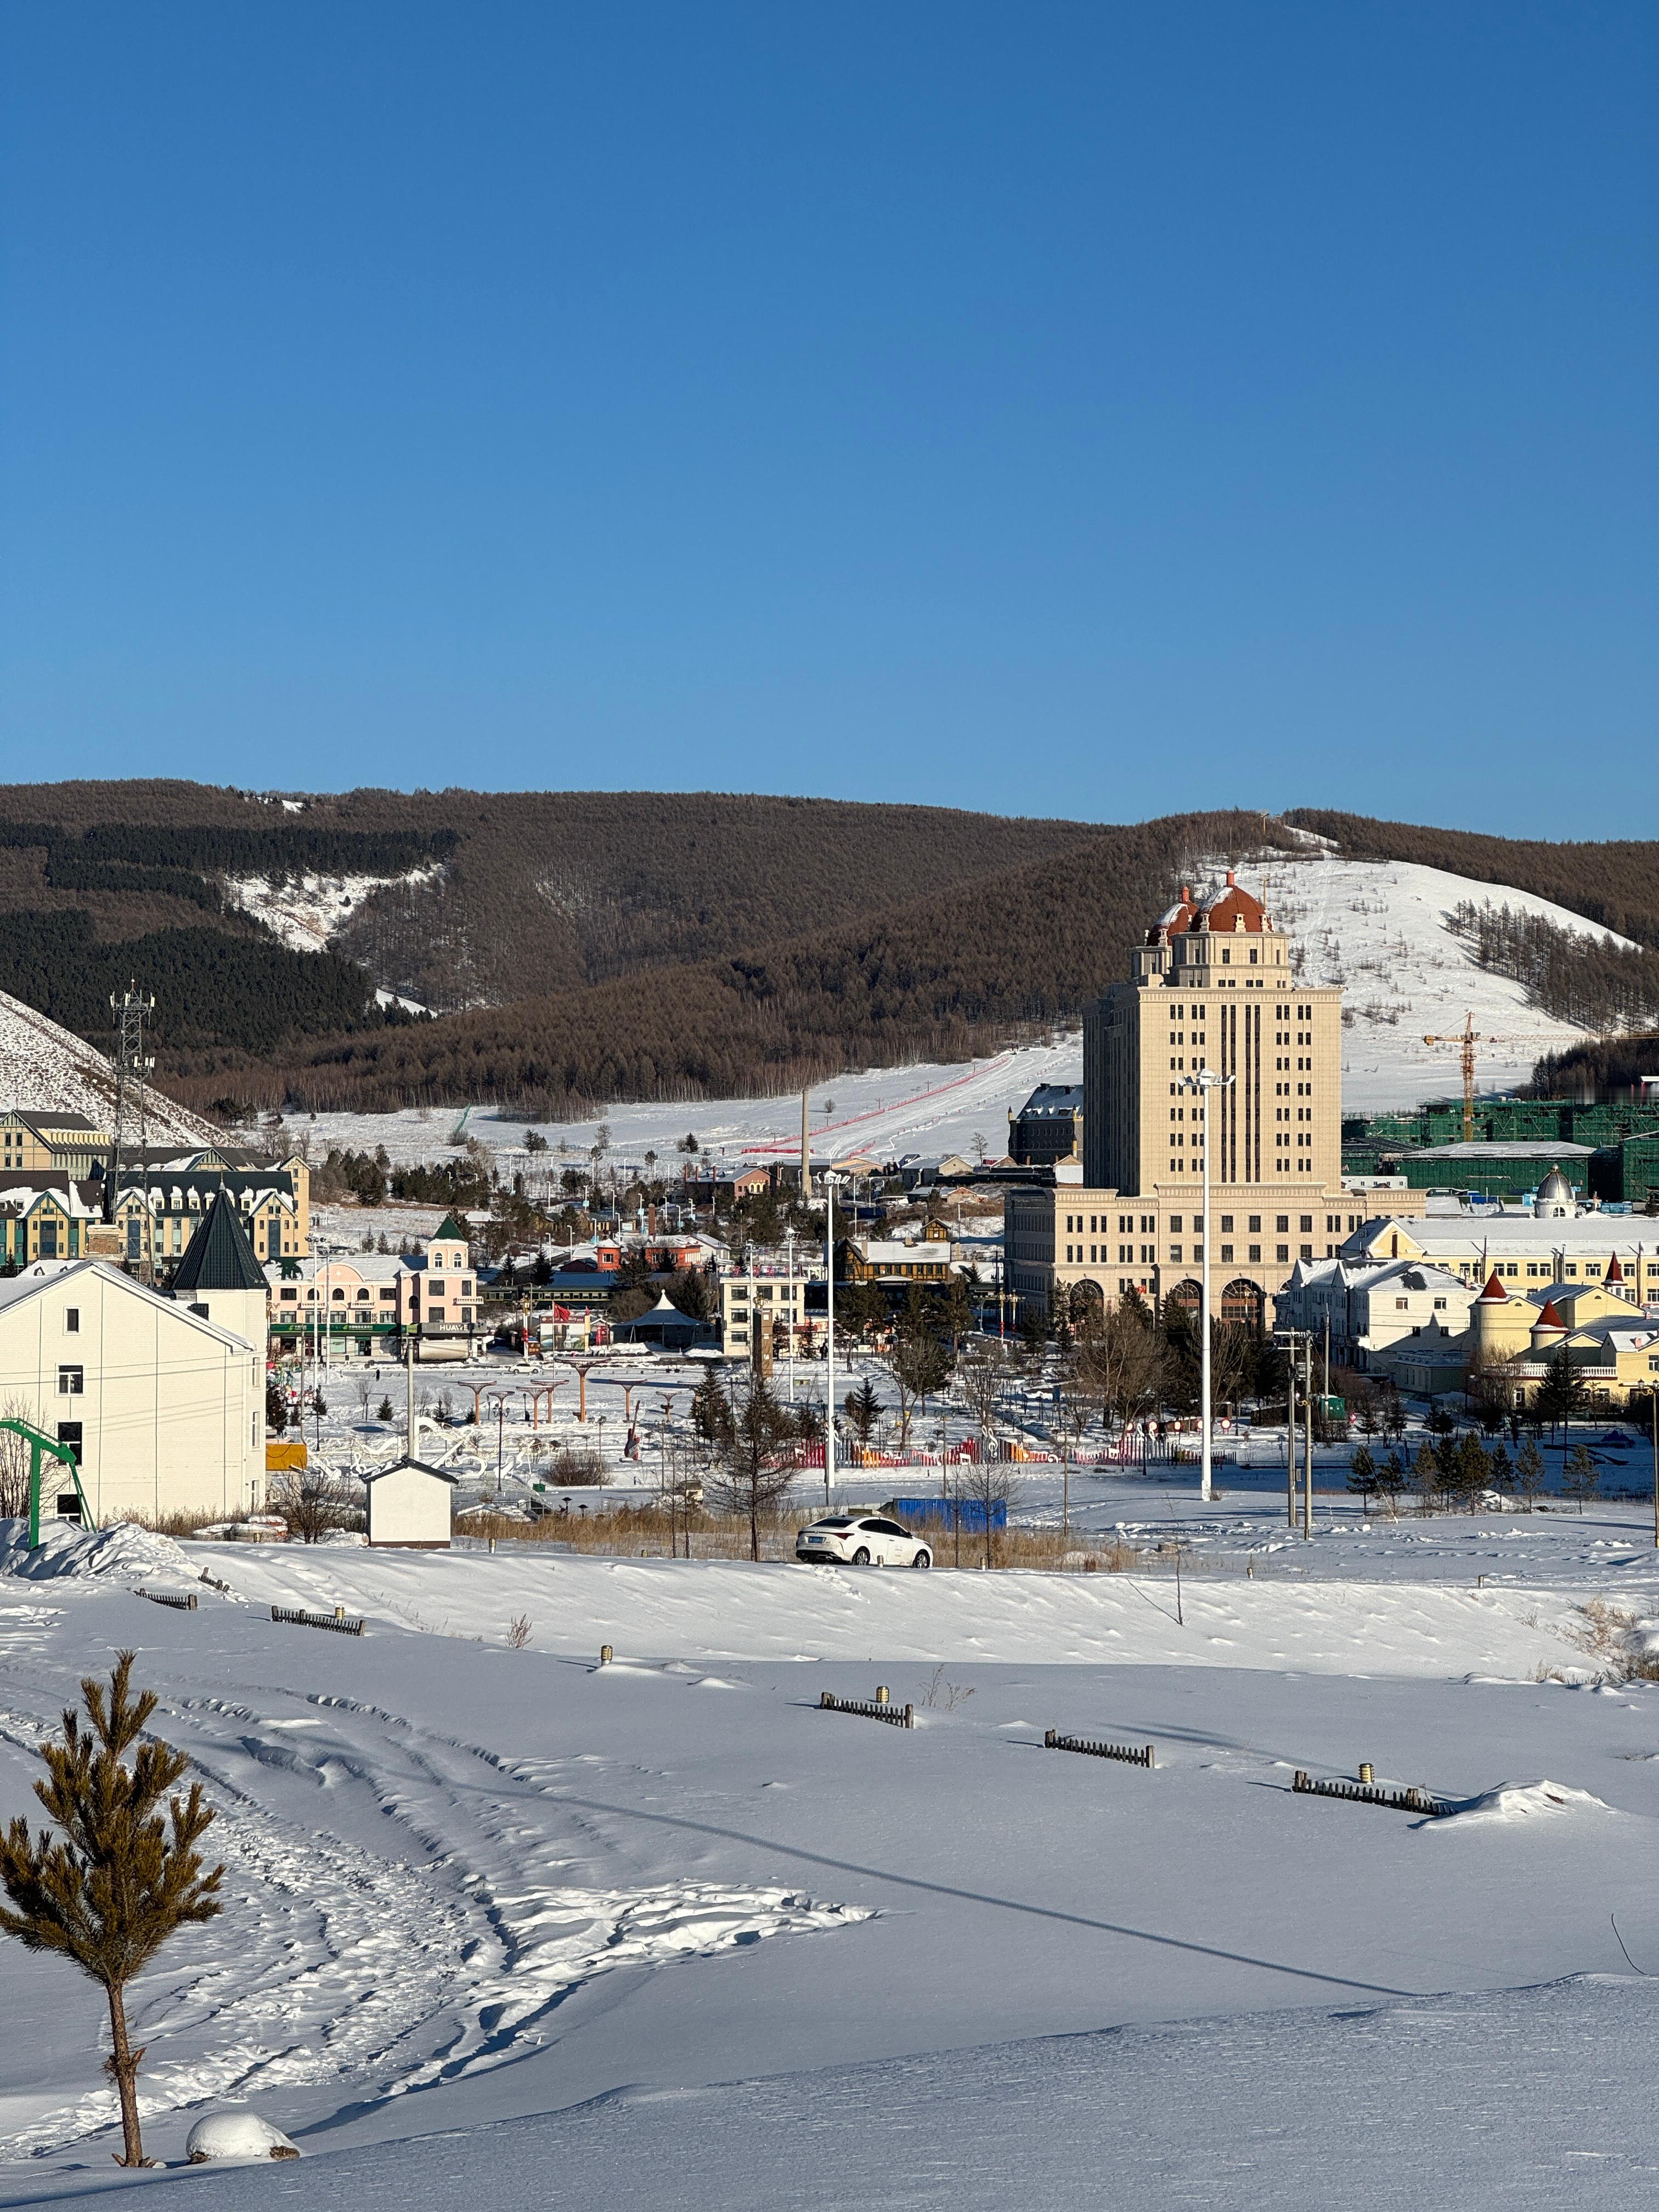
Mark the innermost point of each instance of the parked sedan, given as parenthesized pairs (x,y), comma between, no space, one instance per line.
(861,1540)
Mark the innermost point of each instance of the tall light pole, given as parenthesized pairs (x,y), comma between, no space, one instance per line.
(1203,1081)
(829,1179)
(789,1262)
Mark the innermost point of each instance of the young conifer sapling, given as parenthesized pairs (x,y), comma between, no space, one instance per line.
(121,1877)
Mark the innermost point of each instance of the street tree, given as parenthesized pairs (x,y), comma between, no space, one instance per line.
(918,1362)
(755,1464)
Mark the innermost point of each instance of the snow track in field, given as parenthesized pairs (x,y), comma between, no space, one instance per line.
(433,1954)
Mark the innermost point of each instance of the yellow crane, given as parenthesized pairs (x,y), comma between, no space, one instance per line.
(1466,1040)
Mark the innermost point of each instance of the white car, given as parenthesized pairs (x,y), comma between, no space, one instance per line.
(861,1540)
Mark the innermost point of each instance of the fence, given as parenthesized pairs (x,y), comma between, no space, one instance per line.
(895,1715)
(1412,1800)
(336,1621)
(181,1602)
(1131,1754)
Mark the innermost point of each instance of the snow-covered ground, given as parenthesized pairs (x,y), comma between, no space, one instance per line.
(306,913)
(502,1922)
(44,1069)
(1378,927)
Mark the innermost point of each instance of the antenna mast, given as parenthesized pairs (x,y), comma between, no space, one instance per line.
(133,1011)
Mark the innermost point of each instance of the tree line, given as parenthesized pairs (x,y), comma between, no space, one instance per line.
(1615,885)
(214,992)
(1595,985)
(939,978)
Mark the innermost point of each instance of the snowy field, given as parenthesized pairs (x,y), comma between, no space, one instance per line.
(1376,927)
(504,1924)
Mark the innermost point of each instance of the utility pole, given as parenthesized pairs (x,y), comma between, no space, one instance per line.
(1298,1341)
(1290,1438)
(1204,1081)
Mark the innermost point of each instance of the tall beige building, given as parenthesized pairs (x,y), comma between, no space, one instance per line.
(1213,987)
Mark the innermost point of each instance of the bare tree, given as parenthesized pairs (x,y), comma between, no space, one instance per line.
(985,1482)
(920,1364)
(312,1502)
(14,1461)
(1073,1404)
(1120,1360)
(116,1885)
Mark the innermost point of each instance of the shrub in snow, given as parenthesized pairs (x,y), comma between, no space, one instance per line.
(236,2134)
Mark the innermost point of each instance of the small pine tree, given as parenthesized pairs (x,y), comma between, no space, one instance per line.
(1425,1475)
(1529,1473)
(1362,1477)
(110,1892)
(863,1410)
(1472,1470)
(384,1411)
(1391,1480)
(1581,1478)
(276,1408)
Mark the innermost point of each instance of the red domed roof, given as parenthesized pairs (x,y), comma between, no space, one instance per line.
(1494,1290)
(1175,919)
(1549,1318)
(1231,907)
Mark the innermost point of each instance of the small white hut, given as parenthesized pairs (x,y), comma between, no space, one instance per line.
(411,1506)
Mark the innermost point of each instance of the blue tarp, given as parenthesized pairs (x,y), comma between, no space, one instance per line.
(966,1513)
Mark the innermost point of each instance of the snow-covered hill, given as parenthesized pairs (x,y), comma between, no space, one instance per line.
(45,1069)
(1377,927)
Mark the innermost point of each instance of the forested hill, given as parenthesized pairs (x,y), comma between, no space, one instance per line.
(536,891)
(1615,885)
(934,977)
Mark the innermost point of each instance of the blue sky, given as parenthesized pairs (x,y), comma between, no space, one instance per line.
(1083,409)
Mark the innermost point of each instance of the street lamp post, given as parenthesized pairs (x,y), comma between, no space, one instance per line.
(789,1263)
(1203,1081)
(830,1180)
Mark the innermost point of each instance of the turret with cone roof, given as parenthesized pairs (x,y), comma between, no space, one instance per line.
(219,1277)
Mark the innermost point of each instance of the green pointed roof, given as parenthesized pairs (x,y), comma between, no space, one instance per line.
(448,1230)
(219,1257)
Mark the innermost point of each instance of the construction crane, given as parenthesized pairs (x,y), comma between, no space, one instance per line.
(1466,1042)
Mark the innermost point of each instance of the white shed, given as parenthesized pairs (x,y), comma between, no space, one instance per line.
(411,1506)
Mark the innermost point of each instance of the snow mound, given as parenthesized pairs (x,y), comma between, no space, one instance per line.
(1521,1801)
(121,1552)
(236,2134)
